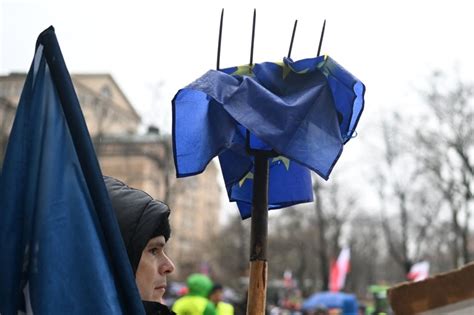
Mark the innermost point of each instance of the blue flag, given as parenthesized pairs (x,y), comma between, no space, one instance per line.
(304,110)
(61,250)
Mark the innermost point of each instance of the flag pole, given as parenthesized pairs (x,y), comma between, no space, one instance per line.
(257,291)
(258,238)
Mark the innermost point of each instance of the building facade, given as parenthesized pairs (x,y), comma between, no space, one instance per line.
(144,161)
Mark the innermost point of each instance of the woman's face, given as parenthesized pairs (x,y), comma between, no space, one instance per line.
(152,270)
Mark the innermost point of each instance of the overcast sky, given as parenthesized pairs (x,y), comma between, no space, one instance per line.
(389,45)
(392,46)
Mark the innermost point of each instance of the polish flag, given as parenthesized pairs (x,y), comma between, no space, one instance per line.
(419,271)
(288,279)
(339,270)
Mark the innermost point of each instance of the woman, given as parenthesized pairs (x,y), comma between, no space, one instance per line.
(145,229)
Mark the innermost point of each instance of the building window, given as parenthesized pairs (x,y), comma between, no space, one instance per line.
(106,92)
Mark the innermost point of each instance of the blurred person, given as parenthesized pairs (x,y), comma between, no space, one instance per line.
(321,310)
(215,296)
(195,302)
(240,308)
(145,229)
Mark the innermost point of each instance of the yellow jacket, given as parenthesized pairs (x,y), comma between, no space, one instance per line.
(225,309)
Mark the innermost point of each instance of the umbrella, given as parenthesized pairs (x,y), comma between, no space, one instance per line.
(346,302)
(270,124)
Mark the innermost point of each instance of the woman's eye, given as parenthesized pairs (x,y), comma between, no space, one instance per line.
(154,251)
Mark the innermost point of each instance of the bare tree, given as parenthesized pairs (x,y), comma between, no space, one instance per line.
(446,141)
(367,254)
(230,250)
(291,237)
(332,212)
(322,250)
(406,214)
(303,239)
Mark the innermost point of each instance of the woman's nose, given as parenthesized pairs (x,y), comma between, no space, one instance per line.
(166,266)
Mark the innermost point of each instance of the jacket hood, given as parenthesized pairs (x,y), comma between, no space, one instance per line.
(140,217)
(199,284)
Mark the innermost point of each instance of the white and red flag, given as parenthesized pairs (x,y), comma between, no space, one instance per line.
(419,271)
(339,270)
(288,279)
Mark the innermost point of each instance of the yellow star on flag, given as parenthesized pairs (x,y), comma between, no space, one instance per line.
(286,71)
(282,159)
(243,70)
(248,176)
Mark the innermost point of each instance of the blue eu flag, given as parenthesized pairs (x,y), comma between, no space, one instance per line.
(304,110)
(60,246)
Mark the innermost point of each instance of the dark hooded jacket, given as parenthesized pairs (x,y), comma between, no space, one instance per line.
(140,219)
